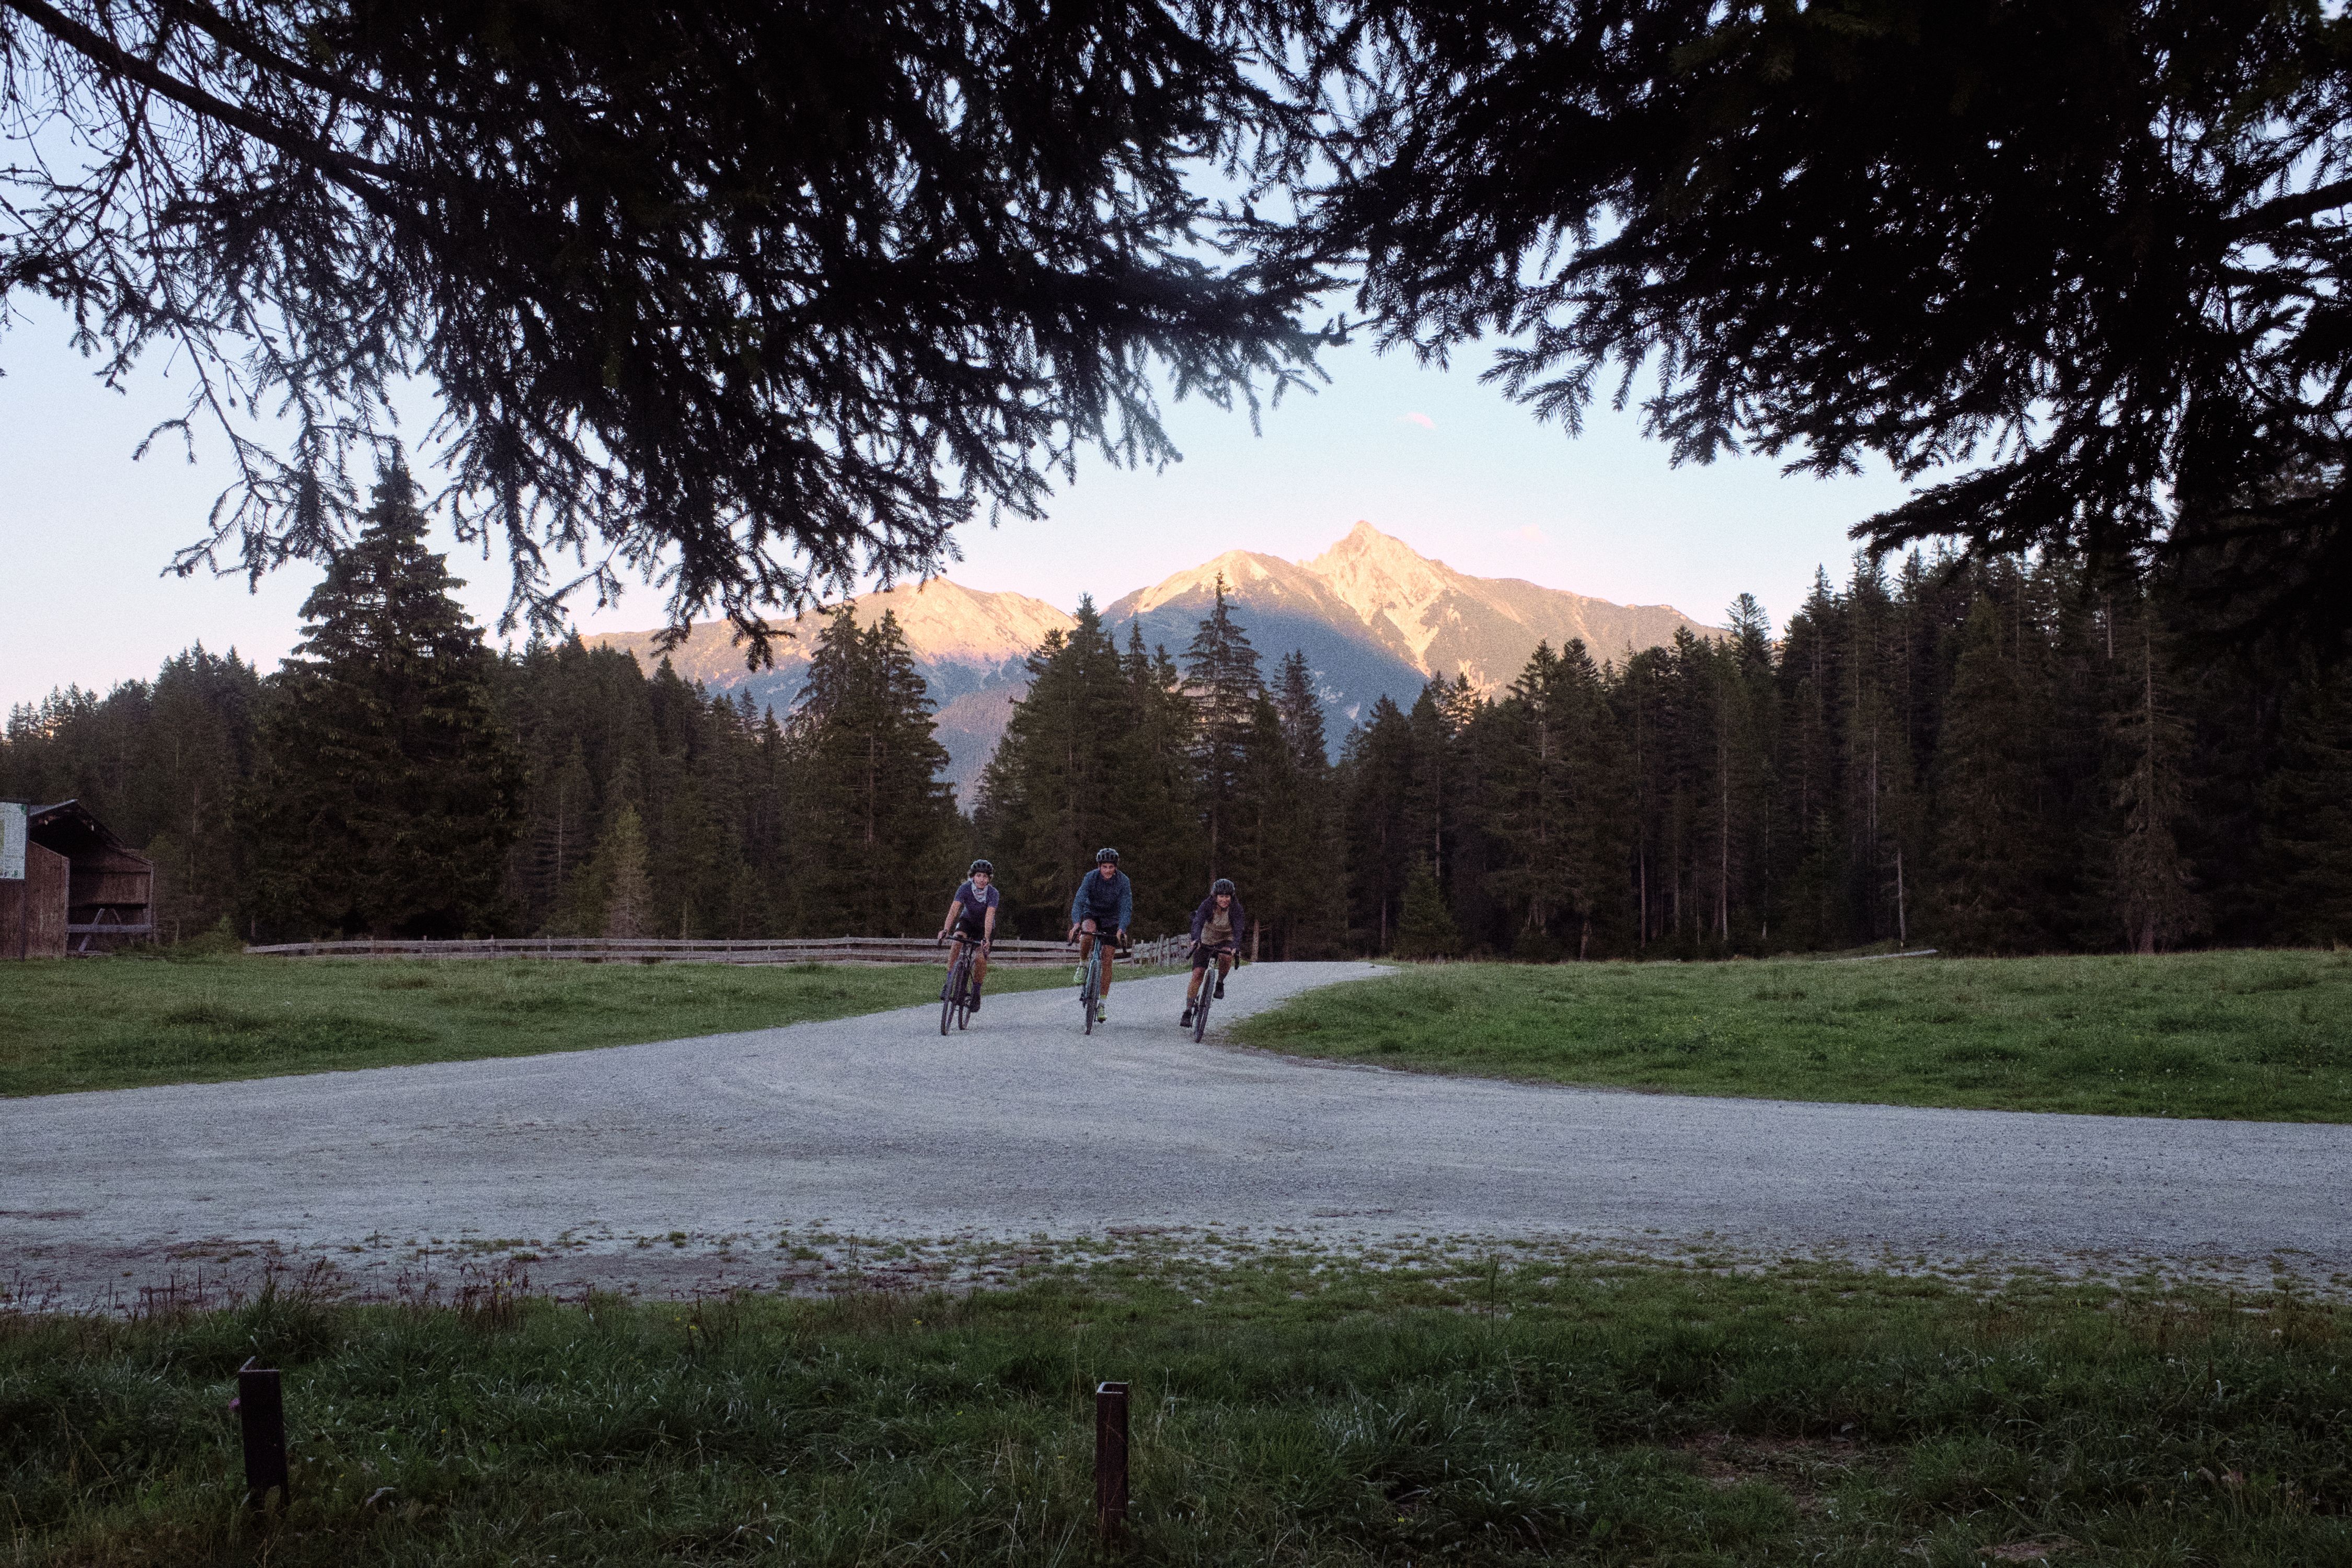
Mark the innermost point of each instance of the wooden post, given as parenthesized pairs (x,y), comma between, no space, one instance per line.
(1110,1463)
(260,1407)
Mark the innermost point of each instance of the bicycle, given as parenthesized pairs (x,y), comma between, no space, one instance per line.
(1209,982)
(955,999)
(1091,987)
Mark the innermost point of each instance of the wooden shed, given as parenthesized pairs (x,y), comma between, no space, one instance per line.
(79,888)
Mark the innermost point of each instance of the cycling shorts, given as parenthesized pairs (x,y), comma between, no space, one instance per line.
(972,929)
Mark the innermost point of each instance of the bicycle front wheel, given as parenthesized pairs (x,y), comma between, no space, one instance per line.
(952,1002)
(1201,1015)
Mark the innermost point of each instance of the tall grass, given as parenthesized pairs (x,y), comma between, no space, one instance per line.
(1295,1411)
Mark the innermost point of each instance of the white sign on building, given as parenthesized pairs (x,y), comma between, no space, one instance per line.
(12,841)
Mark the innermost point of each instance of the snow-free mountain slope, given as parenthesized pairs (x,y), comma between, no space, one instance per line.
(1374,617)
(971,647)
(1483,627)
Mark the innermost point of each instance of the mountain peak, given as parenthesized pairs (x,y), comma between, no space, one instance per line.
(1365,544)
(1244,572)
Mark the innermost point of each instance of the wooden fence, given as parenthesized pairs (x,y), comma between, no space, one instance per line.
(1166,949)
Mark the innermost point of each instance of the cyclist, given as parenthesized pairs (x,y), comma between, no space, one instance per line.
(1104,904)
(1217,927)
(971,917)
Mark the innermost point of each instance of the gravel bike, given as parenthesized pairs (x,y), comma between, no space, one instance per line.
(1209,983)
(1090,986)
(955,997)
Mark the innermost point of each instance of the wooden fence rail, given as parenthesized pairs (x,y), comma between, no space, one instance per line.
(1166,949)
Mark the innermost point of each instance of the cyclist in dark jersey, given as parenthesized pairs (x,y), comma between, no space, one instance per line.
(1104,904)
(971,917)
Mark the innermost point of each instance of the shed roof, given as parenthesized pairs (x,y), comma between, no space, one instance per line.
(71,829)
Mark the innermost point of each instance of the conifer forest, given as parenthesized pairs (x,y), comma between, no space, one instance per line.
(1996,758)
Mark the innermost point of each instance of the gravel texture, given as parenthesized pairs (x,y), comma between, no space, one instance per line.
(661,1166)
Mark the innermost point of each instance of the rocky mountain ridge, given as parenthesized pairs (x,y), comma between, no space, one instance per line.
(1374,617)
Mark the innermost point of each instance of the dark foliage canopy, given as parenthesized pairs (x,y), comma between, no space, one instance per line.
(750,295)
(2094,253)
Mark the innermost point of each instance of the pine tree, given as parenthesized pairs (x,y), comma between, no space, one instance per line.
(1046,799)
(1221,674)
(1301,710)
(2149,879)
(1379,838)
(626,891)
(1300,910)
(1987,837)
(388,788)
(1425,927)
(880,825)
(557,838)
(1530,803)
(1811,834)
(2307,836)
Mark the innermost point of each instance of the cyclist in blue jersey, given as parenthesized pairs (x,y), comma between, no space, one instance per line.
(1104,904)
(971,917)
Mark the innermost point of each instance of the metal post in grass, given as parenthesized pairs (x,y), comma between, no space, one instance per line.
(260,1406)
(1110,1463)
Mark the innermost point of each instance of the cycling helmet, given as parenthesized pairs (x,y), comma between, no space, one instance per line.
(980,866)
(1106,857)
(1221,885)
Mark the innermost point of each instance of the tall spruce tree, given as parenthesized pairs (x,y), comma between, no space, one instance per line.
(1306,921)
(880,827)
(1221,674)
(625,890)
(1381,840)
(388,788)
(1987,837)
(2147,877)
(2308,813)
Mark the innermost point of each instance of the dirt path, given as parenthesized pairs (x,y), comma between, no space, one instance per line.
(877,1126)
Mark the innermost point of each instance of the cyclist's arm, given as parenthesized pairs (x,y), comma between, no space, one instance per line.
(1126,903)
(988,925)
(955,912)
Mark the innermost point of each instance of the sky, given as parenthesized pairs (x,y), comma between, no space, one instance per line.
(1430,456)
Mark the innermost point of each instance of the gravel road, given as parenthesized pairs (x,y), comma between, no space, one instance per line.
(877,1126)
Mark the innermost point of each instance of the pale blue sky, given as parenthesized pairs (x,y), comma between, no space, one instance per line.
(1431,457)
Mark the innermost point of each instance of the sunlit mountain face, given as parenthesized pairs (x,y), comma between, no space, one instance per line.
(1373,616)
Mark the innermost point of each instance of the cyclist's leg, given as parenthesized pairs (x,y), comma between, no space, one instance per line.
(979,964)
(955,952)
(1224,967)
(1200,968)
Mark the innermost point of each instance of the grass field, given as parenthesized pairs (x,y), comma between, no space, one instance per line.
(1285,1412)
(77,1024)
(2250,1034)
